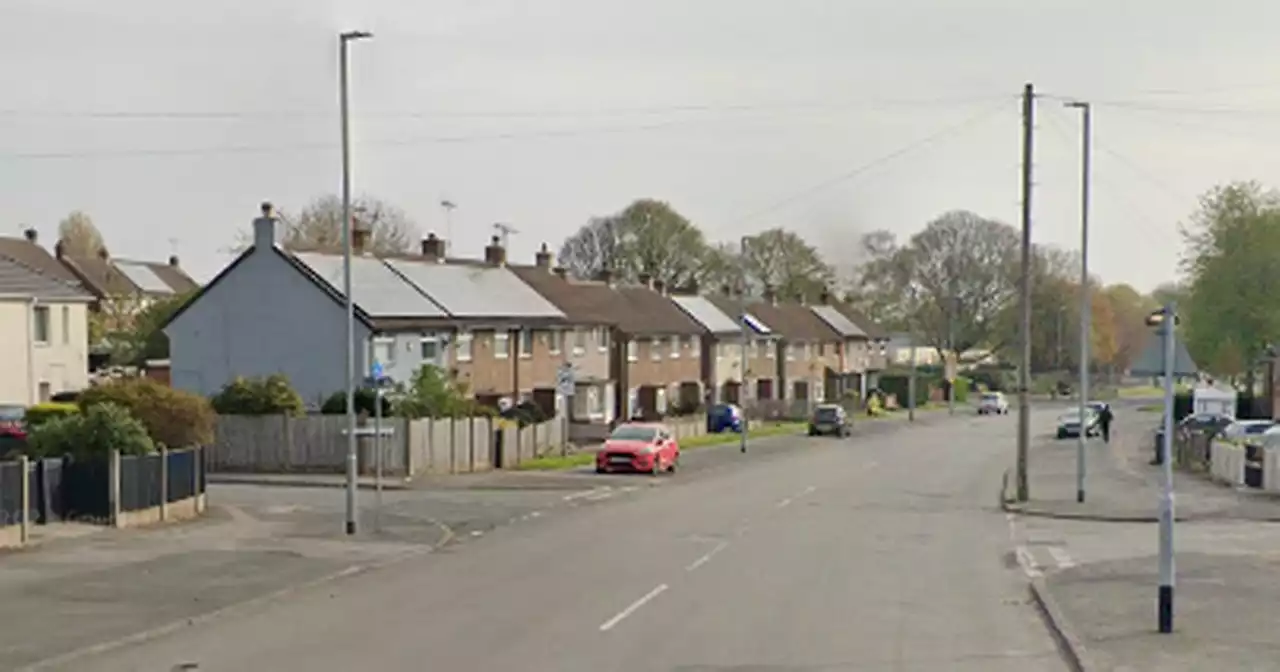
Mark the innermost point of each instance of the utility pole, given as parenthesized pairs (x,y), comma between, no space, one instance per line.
(742,389)
(911,383)
(1024,368)
(948,368)
(1086,305)
(344,40)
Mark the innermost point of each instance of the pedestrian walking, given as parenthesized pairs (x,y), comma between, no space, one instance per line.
(1104,419)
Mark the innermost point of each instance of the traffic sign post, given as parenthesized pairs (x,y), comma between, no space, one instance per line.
(566,380)
(379,382)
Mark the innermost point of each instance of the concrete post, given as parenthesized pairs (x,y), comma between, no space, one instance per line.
(164,483)
(113,487)
(197,465)
(25,465)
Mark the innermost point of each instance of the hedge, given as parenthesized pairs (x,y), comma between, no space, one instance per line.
(41,413)
(172,417)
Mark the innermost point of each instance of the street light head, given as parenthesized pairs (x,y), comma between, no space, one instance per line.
(1078,104)
(354,35)
(1158,318)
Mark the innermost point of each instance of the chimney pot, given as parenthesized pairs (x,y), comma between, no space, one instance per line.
(543,258)
(31,235)
(495,254)
(560,271)
(645,279)
(659,287)
(359,240)
(102,253)
(173,260)
(433,247)
(268,210)
(606,276)
(59,249)
(770,295)
(265,227)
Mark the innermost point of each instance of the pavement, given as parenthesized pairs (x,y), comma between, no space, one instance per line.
(882,551)
(1096,575)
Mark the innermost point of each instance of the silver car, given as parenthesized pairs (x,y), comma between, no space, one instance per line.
(1069,423)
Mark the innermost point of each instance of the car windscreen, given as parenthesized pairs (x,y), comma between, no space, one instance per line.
(11,413)
(1257,428)
(631,433)
(993,398)
(826,414)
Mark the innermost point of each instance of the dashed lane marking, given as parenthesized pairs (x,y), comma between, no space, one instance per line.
(632,608)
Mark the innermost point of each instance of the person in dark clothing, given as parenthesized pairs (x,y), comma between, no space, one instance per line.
(1104,420)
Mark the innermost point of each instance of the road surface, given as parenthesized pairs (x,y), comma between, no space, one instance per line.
(881,552)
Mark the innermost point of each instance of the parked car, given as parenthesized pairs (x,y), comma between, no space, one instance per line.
(829,419)
(13,428)
(639,447)
(1097,406)
(993,403)
(1243,429)
(724,418)
(1069,423)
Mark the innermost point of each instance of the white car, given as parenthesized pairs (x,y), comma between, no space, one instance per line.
(993,403)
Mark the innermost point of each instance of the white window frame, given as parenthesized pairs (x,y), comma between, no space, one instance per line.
(462,346)
(633,351)
(602,339)
(525,338)
(675,344)
(695,346)
(806,351)
(66,325)
(433,339)
(579,342)
(655,349)
(504,338)
(387,342)
(770,349)
(36,313)
(556,341)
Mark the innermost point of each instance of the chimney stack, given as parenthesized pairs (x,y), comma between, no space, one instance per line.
(359,239)
(606,276)
(825,297)
(495,254)
(173,260)
(265,227)
(102,254)
(543,258)
(31,235)
(433,248)
(726,290)
(59,250)
(561,272)
(770,295)
(660,287)
(645,279)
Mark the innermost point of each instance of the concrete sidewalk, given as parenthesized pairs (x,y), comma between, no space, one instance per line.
(1120,485)
(1224,614)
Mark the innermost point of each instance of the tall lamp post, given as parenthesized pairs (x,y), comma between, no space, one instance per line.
(1165,320)
(1085,302)
(344,40)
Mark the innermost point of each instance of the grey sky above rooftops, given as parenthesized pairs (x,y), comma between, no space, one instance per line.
(166,124)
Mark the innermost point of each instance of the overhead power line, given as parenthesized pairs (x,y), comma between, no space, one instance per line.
(868,166)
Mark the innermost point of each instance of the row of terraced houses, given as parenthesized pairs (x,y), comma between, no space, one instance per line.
(504,329)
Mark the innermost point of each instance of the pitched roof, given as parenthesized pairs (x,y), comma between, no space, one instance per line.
(581,301)
(36,258)
(643,311)
(20,280)
(794,321)
(872,328)
(733,308)
(706,313)
(377,289)
(114,277)
(475,291)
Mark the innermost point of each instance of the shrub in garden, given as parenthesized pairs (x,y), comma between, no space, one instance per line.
(172,417)
(93,433)
(272,395)
(336,404)
(41,413)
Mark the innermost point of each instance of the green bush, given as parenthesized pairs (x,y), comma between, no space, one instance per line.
(433,394)
(272,395)
(172,417)
(336,404)
(41,413)
(962,390)
(94,432)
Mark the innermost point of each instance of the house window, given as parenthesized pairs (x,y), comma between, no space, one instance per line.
(430,348)
(555,340)
(41,326)
(805,351)
(66,325)
(46,392)
(695,346)
(501,344)
(602,338)
(526,343)
(462,347)
(675,347)
(595,404)
(632,351)
(767,347)
(655,349)
(384,350)
(579,342)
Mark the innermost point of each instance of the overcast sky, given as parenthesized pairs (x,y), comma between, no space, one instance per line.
(168,126)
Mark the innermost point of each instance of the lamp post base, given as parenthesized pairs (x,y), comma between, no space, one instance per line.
(1165,609)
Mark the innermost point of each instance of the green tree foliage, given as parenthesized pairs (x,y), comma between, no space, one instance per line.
(365,398)
(79,237)
(1231,309)
(782,260)
(91,434)
(132,328)
(172,417)
(272,395)
(649,237)
(432,394)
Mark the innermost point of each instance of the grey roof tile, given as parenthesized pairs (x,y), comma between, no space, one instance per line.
(17,279)
(378,290)
(476,291)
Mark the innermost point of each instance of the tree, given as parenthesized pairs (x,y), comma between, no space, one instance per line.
(783,261)
(318,227)
(1231,266)
(131,328)
(648,238)
(1129,311)
(79,237)
(1104,342)
(958,272)
(722,268)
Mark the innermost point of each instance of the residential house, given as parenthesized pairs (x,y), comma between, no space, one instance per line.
(849,375)
(806,349)
(722,340)
(902,348)
(43,325)
(583,343)
(275,311)
(133,283)
(761,377)
(874,351)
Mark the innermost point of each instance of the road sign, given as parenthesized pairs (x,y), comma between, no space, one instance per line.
(565,380)
(1151,361)
(375,371)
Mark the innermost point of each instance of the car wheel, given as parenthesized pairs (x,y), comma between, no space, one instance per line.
(675,464)
(601,470)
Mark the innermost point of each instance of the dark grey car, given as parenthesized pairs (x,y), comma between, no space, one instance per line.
(829,419)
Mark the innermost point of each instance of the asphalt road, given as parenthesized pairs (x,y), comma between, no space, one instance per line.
(882,552)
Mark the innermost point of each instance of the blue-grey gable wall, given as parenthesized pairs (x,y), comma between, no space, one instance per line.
(263,317)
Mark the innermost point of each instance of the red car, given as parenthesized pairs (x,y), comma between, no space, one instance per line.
(637,446)
(12,425)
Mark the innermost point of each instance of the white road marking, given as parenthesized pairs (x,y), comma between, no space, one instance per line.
(476,533)
(1061,557)
(1029,565)
(608,625)
(535,514)
(784,503)
(629,488)
(598,496)
(583,493)
(706,558)
(809,490)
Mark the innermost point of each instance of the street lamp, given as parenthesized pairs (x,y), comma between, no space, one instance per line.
(1165,320)
(742,298)
(344,40)
(1086,312)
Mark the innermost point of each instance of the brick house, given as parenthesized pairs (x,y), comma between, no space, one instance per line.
(849,373)
(721,346)
(806,348)
(762,353)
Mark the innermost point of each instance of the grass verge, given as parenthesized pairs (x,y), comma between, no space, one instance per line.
(582,459)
